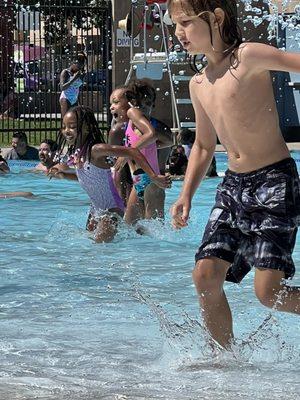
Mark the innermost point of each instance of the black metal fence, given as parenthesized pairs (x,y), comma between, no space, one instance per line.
(37,41)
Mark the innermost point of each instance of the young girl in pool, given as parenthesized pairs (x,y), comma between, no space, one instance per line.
(254,220)
(146,200)
(89,153)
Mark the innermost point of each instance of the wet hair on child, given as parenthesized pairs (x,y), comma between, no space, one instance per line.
(88,133)
(140,92)
(230,32)
(80,59)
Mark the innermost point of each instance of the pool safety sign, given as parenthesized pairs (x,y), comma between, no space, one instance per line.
(123,40)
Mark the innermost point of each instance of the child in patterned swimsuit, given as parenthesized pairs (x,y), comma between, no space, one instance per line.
(90,154)
(71,79)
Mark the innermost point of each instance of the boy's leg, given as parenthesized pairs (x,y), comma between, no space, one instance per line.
(272,292)
(154,201)
(209,276)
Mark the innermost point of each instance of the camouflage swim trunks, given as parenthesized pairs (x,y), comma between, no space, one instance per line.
(254,220)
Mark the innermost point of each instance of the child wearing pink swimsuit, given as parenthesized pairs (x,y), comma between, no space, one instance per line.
(140,179)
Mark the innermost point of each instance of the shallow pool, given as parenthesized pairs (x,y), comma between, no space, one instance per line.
(79,320)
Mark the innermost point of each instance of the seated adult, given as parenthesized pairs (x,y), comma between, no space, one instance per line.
(186,138)
(164,142)
(178,161)
(47,152)
(20,148)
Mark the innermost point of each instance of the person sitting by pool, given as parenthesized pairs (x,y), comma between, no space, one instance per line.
(186,137)
(90,155)
(4,168)
(47,152)
(178,161)
(20,148)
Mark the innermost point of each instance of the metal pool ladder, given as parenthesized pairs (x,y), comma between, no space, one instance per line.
(152,65)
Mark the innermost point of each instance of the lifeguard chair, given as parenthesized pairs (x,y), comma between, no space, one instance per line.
(154,63)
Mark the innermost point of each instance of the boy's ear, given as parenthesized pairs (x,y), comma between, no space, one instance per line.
(219,16)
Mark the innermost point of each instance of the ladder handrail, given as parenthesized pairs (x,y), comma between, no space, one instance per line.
(165,44)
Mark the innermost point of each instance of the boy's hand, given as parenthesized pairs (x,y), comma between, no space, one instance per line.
(162,181)
(180,213)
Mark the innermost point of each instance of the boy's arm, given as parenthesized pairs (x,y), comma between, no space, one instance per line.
(199,160)
(262,57)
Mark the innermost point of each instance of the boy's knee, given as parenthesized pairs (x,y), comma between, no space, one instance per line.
(267,295)
(208,275)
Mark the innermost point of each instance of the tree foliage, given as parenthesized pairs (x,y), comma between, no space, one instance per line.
(59,15)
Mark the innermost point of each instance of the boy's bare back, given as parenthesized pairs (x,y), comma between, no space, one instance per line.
(240,109)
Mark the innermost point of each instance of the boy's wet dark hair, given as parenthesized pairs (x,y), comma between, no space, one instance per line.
(230,31)
(85,118)
(140,92)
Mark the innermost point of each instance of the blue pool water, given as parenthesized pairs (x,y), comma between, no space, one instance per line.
(79,320)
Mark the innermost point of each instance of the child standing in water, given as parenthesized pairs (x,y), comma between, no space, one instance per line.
(71,79)
(89,153)
(119,108)
(146,200)
(257,210)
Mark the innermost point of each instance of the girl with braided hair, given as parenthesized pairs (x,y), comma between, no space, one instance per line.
(90,155)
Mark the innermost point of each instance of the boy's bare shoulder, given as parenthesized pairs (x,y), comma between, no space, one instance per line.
(251,50)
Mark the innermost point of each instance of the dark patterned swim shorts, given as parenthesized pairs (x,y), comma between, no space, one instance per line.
(254,220)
